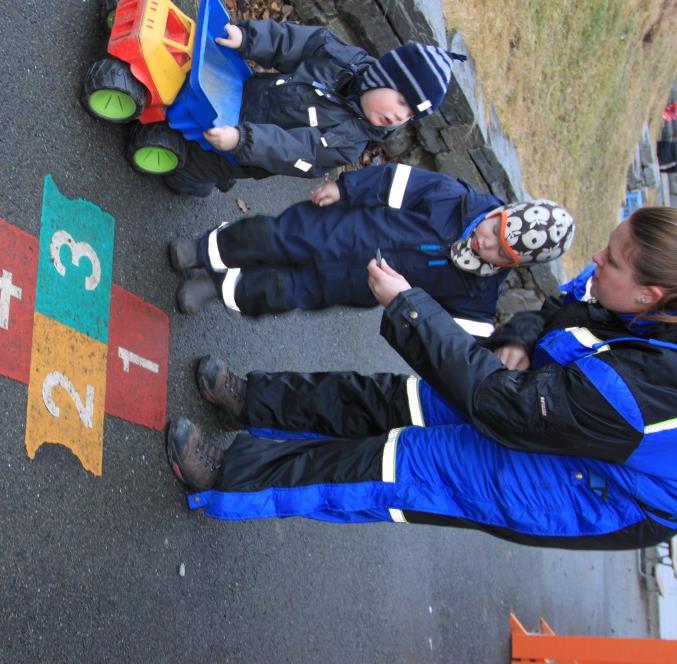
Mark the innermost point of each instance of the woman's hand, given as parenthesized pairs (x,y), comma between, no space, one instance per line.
(223,138)
(326,194)
(514,356)
(384,282)
(233,38)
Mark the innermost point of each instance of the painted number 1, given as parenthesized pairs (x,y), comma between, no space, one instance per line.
(57,379)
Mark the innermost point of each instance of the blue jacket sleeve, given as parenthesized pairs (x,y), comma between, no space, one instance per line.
(399,186)
(282,46)
(301,151)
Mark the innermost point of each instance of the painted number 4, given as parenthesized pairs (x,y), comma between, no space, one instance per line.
(57,379)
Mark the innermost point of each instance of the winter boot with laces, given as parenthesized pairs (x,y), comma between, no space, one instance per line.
(226,390)
(194,461)
(183,254)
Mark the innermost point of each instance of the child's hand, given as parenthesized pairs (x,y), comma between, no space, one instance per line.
(514,356)
(384,282)
(223,138)
(326,194)
(233,38)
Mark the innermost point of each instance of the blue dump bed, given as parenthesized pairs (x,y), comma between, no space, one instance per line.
(212,95)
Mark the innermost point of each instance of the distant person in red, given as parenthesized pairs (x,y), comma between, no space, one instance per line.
(670,112)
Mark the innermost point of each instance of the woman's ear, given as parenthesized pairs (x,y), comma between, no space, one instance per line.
(651,295)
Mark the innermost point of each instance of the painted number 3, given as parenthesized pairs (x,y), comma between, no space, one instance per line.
(57,379)
(78,250)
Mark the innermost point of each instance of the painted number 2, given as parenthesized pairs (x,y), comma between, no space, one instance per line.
(57,379)
(78,250)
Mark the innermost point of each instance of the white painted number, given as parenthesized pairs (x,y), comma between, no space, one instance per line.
(7,291)
(78,250)
(128,357)
(57,379)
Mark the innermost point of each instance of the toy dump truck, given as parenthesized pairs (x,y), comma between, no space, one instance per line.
(165,73)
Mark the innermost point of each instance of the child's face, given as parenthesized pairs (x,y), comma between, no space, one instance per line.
(385,107)
(486,242)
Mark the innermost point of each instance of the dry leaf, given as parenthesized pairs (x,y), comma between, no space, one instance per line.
(242,205)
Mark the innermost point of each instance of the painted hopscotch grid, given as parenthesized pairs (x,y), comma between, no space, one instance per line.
(84,345)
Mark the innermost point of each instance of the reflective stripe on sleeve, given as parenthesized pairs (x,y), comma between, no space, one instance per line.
(228,288)
(398,186)
(586,338)
(475,327)
(302,165)
(215,261)
(415,410)
(312,116)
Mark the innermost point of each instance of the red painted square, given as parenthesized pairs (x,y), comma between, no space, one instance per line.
(18,273)
(138,353)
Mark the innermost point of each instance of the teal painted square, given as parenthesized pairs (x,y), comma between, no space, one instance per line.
(77,239)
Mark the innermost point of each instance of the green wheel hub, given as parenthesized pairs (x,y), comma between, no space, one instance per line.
(112,104)
(110,19)
(155,160)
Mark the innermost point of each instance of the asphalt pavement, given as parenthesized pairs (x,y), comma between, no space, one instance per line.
(90,566)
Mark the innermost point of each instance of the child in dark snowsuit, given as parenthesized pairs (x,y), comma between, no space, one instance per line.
(329,101)
(438,232)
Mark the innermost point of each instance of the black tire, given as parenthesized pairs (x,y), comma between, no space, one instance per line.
(156,149)
(107,14)
(112,93)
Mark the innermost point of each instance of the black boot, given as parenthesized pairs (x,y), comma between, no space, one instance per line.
(183,254)
(180,182)
(225,389)
(195,462)
(195,292)
(225,185)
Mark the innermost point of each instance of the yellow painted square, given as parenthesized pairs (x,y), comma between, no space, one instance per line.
(66,392)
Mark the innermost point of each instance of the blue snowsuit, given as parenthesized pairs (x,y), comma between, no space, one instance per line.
(578,452)
(314,257)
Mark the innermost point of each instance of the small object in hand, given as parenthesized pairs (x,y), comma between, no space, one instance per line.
(379,258)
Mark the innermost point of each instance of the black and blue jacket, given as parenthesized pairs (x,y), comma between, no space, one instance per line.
(584,443)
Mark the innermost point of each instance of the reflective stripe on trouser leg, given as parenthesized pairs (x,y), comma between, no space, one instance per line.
(228,288)
(215,261)
(390,469)
(414,401)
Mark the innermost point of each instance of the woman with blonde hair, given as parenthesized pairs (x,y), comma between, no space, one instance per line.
(563,432)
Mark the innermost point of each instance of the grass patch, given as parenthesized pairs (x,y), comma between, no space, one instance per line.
(573,82)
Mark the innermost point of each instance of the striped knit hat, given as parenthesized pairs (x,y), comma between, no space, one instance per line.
(419,71)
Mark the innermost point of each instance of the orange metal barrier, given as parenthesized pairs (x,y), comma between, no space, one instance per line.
(550,648)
